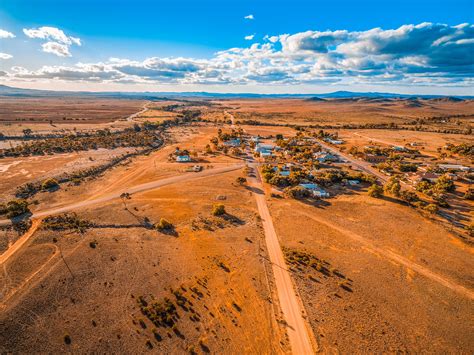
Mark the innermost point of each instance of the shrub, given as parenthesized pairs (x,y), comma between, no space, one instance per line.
(393,187)
(67,339)
(49,184)
(297,192)
(470,229)
(241,180)
(279,181)
(409,196)
(408,167)
(218,209)
(17,208)
(66,221)
(431,208)
(375,191)
(469,195)
(444,184)
(267,176)
(164,225)
(425,187)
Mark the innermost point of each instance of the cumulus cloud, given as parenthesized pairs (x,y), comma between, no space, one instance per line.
(423,54)
(249,17)
(6,34)
(249,37)
(5,56)
(59,49)
(58,42)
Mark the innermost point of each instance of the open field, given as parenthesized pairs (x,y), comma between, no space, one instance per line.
(383,302)
(64,115)
(95,267)
(337,112)
(224,299)
(79,110)
(63,110)
(427,142)
(16,172)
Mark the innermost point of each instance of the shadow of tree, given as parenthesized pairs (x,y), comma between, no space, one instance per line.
(255,190)
(233,219)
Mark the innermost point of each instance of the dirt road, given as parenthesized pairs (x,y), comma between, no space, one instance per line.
(298,330)
(131,190)
(19,243)
(132,117)
(232,118)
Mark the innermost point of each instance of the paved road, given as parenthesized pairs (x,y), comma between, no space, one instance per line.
(139,188)
(298,330)
(362,165)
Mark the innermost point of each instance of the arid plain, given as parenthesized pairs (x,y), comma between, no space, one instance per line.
(141,225)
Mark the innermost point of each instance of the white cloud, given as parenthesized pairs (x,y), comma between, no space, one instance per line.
(59,49)
(249,17)
(6,34)
(5,56)
(272,39)
(249,37)
(58,42)
(412,55)
(52,33)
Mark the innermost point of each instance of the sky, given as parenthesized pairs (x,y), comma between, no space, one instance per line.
(414,46)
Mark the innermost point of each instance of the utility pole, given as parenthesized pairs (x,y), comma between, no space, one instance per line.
(62,257)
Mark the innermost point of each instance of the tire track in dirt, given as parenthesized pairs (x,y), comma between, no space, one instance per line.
(385,252)
(20,242)
(299,332)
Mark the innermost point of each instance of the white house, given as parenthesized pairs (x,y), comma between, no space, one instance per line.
(315,190)
(454,167)
(260,147)
(334,141)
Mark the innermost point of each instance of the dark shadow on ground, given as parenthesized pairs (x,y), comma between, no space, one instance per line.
(255,190)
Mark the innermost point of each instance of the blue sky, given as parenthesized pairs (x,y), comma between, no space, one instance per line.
(172,45)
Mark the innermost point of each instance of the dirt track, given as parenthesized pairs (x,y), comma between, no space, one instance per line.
(396,257)
(298,330)
(132,190)
(19,243)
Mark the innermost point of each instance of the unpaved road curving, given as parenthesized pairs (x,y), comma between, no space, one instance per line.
(132,117)
(19,243)
(131,190)
(299,332)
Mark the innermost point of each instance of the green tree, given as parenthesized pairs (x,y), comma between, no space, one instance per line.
(297,192)
(393,187)
(241,180)
(49,184)
(375,190)
(469,195)
(218,209)
(17,208)
(163,225)
(431,208)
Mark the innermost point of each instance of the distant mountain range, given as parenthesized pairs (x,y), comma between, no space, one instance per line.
(7,91)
